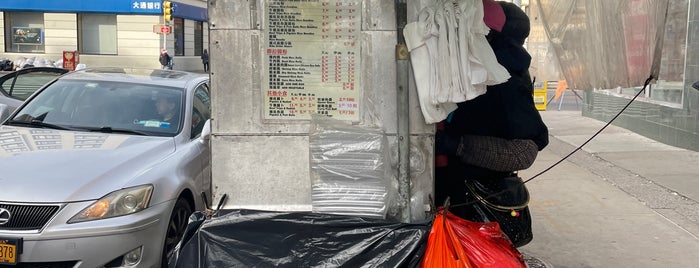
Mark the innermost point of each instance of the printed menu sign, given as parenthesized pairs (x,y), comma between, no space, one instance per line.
(312,58)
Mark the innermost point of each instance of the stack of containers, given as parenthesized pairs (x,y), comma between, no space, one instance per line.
(349,169)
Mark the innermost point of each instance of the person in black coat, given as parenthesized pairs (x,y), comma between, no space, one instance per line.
(499,132)
(505,116)
(205,60)
(165,60)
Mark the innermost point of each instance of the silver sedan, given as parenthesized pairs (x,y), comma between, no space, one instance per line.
(102,168)
(17,86)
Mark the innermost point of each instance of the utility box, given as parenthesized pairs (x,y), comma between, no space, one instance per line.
(273,64)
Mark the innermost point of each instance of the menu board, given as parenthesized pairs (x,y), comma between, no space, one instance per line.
(312,58)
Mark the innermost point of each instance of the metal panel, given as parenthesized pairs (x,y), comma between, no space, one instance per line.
(236,76)
(232,14)
(264,164)
(379,85)
(262,172)
(272,172)
(421,171)
(378,15)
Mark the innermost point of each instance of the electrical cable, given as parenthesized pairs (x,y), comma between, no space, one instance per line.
(645,84)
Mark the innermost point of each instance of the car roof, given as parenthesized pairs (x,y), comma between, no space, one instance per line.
(170,78)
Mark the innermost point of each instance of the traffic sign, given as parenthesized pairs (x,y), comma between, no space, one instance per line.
(162,29)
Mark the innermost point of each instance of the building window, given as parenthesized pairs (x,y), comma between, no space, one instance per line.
(179,36)
(198,37)
(670,84)
(24,32)
(97,34)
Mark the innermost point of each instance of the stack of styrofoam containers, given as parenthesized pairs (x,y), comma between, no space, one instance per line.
(349,169)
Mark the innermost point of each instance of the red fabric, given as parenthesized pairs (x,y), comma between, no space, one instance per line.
(493,15)
(441,160)
(440,126)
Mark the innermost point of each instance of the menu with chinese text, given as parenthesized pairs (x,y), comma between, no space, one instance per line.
(312,58)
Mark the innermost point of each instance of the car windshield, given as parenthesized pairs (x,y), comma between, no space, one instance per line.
(105,106)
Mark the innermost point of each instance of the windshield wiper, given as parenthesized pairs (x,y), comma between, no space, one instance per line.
(117,130)
(37,123)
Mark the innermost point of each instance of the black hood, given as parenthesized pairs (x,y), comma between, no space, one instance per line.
(508,43)
(516,23)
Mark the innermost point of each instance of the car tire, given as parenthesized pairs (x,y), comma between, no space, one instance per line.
(176,227)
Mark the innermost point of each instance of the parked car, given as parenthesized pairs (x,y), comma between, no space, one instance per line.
(102,168)
(17,86)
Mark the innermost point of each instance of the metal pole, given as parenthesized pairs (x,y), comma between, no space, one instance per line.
(402,71)
(165,40)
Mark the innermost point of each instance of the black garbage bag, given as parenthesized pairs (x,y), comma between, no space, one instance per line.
(253,238)
(5,65)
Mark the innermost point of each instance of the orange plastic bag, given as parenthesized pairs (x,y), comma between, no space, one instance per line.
(443,247)
(485,244)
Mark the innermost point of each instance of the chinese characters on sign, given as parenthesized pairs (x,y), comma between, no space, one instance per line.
(312,56)
(145,5)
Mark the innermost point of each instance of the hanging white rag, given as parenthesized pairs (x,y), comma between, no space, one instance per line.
(485,69)
(451,59)
(421,40)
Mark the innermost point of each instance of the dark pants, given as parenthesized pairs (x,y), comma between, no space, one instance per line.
(206,67)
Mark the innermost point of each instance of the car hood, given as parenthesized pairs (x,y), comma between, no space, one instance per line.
(40,165)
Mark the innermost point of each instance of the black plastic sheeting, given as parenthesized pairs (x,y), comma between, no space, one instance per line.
(252,238)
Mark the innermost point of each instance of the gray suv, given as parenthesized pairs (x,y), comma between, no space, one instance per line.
(102,168)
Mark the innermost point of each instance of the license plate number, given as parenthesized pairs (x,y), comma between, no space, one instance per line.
(8,251)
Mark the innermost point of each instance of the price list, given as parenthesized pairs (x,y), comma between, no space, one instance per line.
(312,58)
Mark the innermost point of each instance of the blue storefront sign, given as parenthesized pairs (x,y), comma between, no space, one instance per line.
(152,7)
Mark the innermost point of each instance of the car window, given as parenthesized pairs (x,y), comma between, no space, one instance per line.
(201,109)
(26,83)
(100,105)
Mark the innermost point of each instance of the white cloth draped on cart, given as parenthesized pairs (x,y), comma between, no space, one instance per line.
(423,53)
(451,58)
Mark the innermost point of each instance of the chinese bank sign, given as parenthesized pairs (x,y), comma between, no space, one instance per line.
(114,6)
(145,6)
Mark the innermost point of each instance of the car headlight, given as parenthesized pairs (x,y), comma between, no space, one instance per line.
(118,203)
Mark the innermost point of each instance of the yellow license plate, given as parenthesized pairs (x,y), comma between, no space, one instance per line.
(8,252)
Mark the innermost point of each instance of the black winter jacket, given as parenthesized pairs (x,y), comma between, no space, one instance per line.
(506,110)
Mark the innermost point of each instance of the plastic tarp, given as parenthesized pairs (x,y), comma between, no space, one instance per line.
(251,238)
(605,44)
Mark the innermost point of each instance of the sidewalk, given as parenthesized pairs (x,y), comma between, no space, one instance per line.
(622,201)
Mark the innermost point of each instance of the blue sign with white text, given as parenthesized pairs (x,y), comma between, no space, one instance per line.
(146,7)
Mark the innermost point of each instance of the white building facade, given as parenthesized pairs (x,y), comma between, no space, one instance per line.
(117,33)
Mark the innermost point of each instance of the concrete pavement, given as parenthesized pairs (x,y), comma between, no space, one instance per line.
(622,201)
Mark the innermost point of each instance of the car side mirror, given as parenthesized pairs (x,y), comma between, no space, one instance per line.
(696,85)
(205,132)
(4,112)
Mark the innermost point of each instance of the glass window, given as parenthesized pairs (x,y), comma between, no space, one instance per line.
(201,109)
(107,106)
(670,84)
(25,83)
(198,37)
(98,34)
(24,32)
(179,36)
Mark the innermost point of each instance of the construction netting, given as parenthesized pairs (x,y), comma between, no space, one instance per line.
(605,44)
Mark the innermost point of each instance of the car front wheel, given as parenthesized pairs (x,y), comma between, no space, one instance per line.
(176,227)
